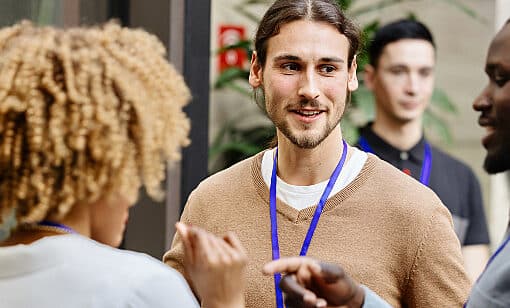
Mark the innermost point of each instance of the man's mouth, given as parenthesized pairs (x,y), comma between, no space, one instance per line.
(307,116)
(490,129)
(485,122)
(308,113)
(410,104)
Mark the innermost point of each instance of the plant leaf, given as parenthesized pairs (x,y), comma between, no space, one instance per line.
(344,4)
(365,102)
(242,44)
(441,100)
(229,75)
(245,148)
(433,122)
(350,131)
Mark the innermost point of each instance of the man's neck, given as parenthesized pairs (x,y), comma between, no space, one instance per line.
(402,136)
(303,167)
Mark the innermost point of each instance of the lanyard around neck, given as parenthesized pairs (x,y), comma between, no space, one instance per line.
(313,223)
(56,226)
(426,166)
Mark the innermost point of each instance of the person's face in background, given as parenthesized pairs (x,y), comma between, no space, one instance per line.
(494,104)
(403,81)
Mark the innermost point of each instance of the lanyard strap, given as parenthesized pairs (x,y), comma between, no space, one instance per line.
(56,225)
(426,166)
(313,223)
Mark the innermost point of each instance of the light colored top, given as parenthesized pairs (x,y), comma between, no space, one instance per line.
(75,271)
(492,289)
(300,197)
(373,300)
(388,231)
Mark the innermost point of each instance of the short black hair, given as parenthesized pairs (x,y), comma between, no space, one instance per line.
(395,31)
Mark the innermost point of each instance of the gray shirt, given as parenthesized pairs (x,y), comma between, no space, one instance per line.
(492,289)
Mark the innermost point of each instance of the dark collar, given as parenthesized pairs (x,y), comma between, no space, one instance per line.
(388,152)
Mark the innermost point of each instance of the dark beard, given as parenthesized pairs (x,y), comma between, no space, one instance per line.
(260,99)
(496,163)
(305,143)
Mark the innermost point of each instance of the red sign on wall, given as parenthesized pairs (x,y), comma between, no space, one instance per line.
(229,35)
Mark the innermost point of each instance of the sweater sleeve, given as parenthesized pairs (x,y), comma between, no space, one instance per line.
(437,277)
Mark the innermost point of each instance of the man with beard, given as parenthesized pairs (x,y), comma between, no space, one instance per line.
(310,283)
(315,195)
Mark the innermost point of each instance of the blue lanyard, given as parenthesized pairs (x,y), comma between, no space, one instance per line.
(426,167)
(313,223)
(500,248)
(56,226)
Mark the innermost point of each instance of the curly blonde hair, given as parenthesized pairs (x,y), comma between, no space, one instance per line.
(84,112)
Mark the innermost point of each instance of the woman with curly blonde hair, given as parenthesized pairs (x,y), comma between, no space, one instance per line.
(87,117)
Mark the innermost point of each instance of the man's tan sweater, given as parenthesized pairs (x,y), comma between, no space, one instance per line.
(388,231)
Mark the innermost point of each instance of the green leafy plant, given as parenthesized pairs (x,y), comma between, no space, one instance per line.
(235,143)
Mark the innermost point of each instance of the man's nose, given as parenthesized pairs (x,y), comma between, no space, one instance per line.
(413,84)
(309,87)
(483,101)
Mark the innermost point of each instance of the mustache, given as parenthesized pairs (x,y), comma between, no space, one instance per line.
(313,103)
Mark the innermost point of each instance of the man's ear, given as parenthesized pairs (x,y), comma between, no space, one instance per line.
(369,76)
(352,83)
(255,78)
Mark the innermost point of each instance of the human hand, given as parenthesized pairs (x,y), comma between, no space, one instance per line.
(215,265)
(310,283)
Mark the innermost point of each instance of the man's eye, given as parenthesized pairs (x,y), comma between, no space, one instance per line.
(425,73)
(500,80)
(397,71)
(328,69)
(290,66)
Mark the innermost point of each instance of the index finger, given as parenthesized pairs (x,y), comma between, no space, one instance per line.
(289,265)
(183,231)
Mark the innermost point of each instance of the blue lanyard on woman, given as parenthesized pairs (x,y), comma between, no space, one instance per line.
(313,223)
(426,167)
(58,227)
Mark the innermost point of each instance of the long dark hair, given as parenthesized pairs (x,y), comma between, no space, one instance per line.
(285,11)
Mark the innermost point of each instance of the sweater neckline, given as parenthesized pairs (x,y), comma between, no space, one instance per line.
(298,216)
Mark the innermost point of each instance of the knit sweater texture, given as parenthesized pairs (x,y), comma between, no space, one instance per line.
(387,230)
